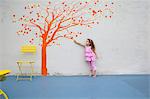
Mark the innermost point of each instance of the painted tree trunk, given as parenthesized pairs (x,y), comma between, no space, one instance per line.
(44,58)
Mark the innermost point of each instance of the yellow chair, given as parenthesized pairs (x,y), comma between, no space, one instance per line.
(26,49)
(3,94)
(3,73)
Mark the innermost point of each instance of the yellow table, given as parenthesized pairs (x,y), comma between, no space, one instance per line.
(4,72)
(22,68)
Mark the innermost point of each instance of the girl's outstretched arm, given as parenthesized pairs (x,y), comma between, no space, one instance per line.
(79,43)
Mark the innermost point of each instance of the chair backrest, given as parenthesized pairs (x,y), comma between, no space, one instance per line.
(28,49)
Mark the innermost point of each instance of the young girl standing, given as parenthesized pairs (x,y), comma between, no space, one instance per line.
(90,55)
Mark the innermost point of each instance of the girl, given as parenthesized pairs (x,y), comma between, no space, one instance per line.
(90,55)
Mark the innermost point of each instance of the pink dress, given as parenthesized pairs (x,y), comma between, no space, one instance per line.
(89,54)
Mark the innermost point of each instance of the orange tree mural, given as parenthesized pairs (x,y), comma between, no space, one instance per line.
(57,19)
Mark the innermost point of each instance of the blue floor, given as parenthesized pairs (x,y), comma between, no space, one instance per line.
(79,87)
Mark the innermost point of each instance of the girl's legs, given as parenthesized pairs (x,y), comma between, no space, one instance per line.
(93,68)
(94,73)
(91,72)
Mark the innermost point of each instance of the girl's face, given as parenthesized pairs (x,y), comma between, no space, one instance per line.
(87,42)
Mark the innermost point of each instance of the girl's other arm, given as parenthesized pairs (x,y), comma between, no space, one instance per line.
(79,43)
(96,54)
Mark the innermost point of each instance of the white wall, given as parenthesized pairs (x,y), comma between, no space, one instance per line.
(1,49)
(122,42)
(148,37)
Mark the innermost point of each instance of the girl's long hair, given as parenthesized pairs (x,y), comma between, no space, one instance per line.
(92,45)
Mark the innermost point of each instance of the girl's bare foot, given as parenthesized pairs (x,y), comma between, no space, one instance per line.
(94,73)
(91,75)
(94,76)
